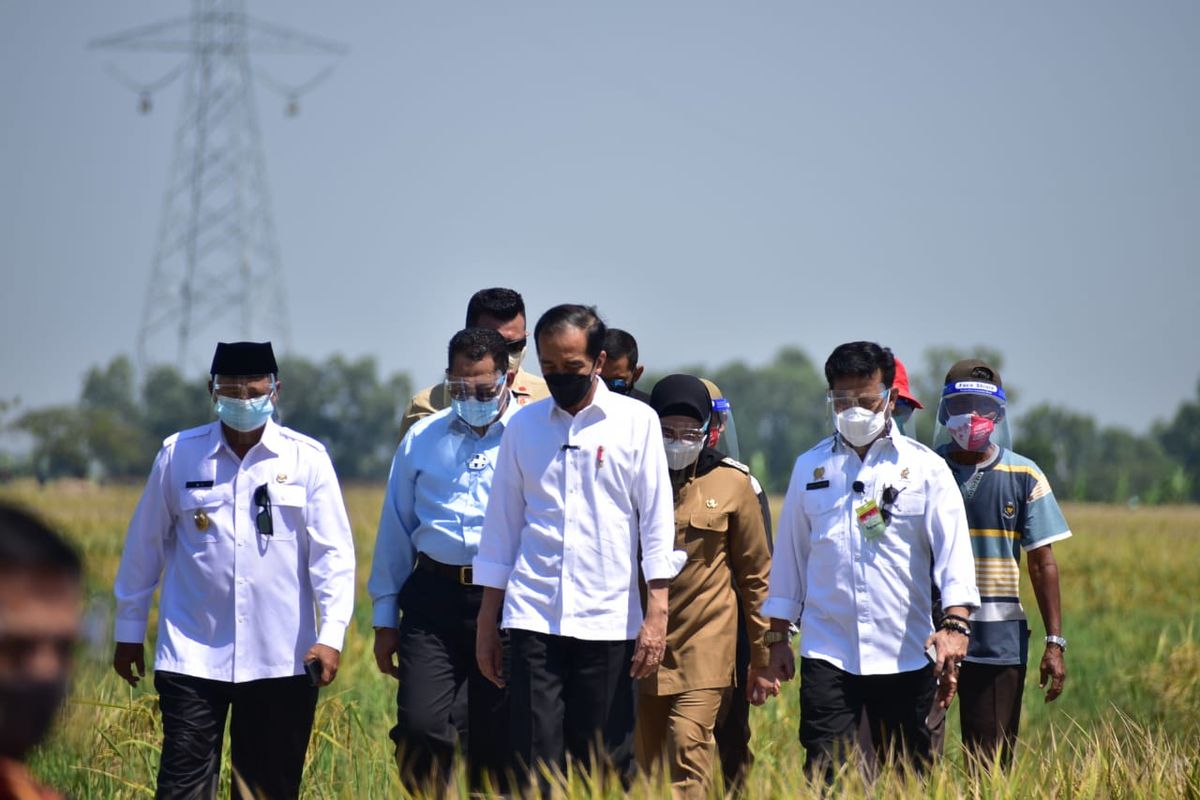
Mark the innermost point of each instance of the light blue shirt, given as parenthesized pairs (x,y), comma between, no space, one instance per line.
(436,498)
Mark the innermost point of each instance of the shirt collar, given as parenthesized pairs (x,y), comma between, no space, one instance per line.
(601,401)
(271,438)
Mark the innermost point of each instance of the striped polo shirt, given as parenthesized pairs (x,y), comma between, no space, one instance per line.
(1010,508)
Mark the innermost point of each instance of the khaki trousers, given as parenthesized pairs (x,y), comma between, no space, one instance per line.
(677,729)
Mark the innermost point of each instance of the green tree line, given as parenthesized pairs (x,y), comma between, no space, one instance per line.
(113,431)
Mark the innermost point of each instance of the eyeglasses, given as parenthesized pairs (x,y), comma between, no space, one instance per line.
(516,345)
(685,435)
(843,399)
(262,520)
(461,389)
(248,390)
(887,500)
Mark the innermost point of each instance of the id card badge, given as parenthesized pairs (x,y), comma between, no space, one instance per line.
(870,521)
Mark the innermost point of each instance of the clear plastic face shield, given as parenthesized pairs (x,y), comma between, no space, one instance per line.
(971,416)
(722,432)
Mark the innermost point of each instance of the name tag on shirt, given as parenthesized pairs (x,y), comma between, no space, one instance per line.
(870,521)
(198,485)
(816,485)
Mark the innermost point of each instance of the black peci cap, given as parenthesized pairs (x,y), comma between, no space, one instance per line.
(244,358)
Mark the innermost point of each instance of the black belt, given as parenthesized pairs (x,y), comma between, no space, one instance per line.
(460,575)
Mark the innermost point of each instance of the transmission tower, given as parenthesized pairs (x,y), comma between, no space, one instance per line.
(216,269)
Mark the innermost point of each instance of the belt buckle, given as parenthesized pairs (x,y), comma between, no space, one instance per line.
(466,576)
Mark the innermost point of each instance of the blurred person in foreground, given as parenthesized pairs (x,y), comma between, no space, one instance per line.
(719,525)
(242,524)
(581,484)
(1010,509)
(621,369)
(866,514)
(40,604)
(502,310)
(421,585)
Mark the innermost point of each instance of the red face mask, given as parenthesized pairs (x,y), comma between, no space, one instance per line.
(970,432)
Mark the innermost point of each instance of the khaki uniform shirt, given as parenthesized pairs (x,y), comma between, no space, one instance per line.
(719,523)
(525,389)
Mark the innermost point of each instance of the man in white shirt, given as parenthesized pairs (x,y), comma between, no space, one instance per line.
(867,513)
(242,522)
(581,480)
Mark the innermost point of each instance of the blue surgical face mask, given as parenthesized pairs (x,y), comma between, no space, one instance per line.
(478,413)
(245,415)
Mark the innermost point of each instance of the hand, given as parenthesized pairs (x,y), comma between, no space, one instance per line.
(761,683)
(651,644)
(1054,671)
(489,653)
(783,661)
(127,656)
(329,659)
(951,650)
(387,651)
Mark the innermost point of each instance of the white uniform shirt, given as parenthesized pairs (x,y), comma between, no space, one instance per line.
(864,606)
(236,605)
(571,497)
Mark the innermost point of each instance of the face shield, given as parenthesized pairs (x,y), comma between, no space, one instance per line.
(972,415)
(722,433)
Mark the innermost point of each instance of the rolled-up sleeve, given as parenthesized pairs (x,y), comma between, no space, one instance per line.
(950,541)
(656,509)
(144,554)
(500,539)
(392,562)
(330,554)
(787,587)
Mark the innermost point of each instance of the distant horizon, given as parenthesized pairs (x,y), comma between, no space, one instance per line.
(721,182)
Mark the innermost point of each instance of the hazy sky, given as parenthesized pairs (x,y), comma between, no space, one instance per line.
(722,179)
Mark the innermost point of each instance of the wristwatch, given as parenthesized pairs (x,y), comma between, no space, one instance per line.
(1058,640)
(775,637)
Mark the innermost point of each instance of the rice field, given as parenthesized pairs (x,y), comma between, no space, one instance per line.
(1127,725)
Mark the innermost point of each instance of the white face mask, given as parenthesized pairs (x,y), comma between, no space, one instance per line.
(860,427)
(681,455)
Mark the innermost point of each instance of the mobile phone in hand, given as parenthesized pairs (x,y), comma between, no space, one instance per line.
(314,670)
(931,653)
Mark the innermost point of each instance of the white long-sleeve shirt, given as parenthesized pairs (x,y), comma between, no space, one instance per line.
(236,605)
(864,606)
(571,498)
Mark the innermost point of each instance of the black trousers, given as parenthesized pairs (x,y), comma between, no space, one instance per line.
(572,699)
(272,720)
(832,702)
(990,710)
(443,702)
(733,719)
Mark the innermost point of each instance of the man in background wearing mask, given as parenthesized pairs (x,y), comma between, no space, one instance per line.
(425,601)
(502,310)
(242,521)
(621,371)
(1010,508)
(40,600)
(719,525)
(866,513)
(581,481)
(906,403)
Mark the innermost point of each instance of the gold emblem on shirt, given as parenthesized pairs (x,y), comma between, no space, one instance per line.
(904,474)
(818,473)
(281,477)
(201,520)
(710,503)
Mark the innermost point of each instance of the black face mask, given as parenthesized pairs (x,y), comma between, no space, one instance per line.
(568,389)
(619,385)
(27,710)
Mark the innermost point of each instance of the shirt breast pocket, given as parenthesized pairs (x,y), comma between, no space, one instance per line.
(290,504)
(910,502)
(199,510)
(705,535)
